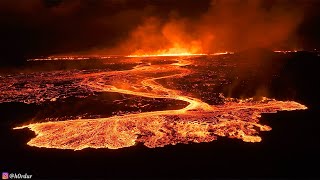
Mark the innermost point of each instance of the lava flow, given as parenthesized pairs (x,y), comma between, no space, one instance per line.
(197,122)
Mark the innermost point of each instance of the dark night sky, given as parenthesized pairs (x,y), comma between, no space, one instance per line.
(44,27)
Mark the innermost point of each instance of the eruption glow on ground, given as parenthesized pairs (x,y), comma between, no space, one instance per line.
(197,122)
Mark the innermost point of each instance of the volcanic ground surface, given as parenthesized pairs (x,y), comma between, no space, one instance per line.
(155,101)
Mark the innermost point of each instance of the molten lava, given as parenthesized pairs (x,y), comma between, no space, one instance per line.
(178,50)
(197,122)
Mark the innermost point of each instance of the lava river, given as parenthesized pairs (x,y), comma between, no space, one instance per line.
(197,122)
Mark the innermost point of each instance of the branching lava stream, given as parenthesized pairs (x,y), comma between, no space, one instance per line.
(197,122)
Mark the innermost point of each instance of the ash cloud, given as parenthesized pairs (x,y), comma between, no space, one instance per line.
(46,27)
(227,25)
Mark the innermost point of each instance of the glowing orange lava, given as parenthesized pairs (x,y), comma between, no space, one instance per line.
(285,51)
(197,122)
(177,50)
(155,55)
